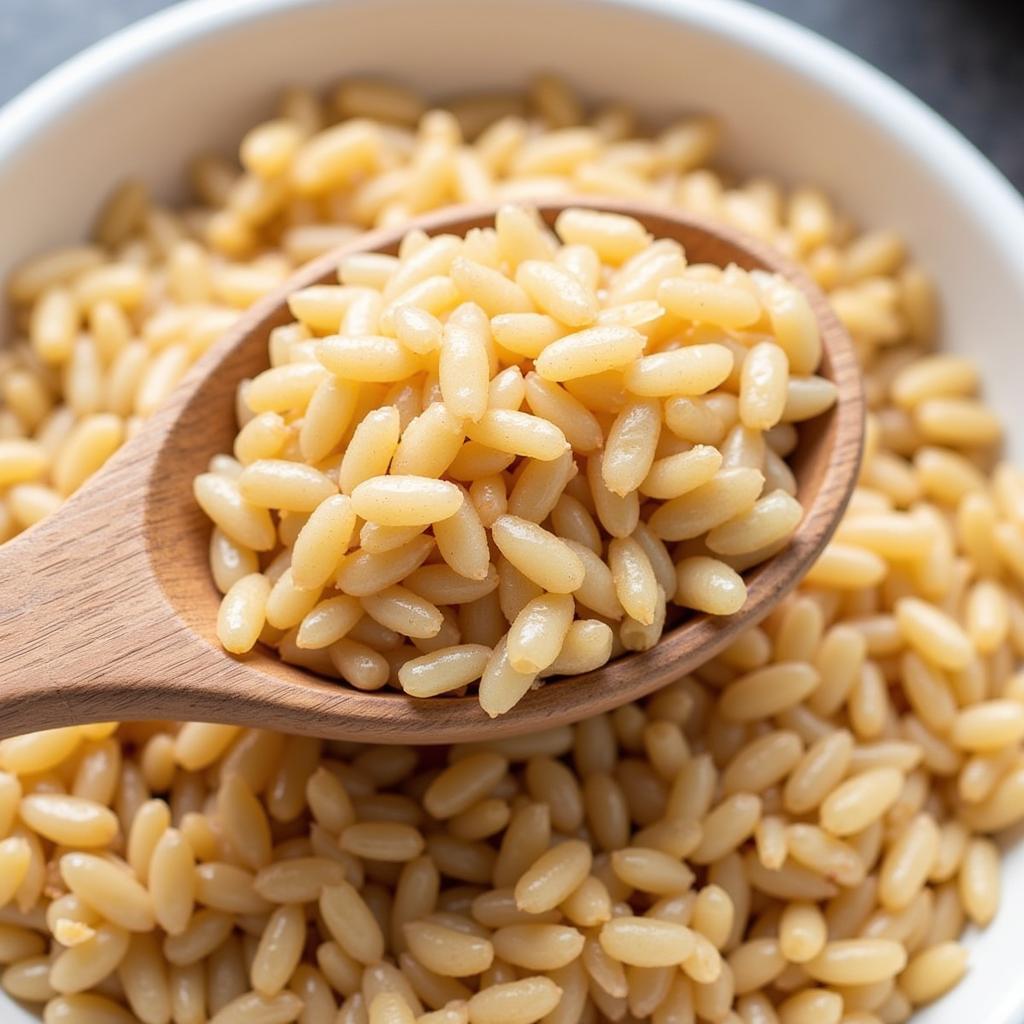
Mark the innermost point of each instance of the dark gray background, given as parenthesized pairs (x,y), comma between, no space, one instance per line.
(963,57)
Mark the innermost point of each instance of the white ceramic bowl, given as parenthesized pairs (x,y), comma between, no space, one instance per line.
(795,106)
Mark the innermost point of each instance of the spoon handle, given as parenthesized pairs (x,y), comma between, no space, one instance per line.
(79,608)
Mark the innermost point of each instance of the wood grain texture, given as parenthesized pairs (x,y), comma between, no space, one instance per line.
(108,610)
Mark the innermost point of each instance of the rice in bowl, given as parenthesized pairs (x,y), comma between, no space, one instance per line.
(800,828)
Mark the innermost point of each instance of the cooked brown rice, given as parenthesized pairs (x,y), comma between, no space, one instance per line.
(796,832)
(457,394)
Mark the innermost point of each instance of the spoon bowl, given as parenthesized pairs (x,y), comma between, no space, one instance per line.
(108,610)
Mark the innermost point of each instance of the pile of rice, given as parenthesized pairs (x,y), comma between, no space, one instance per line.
(500,543)
(798,832)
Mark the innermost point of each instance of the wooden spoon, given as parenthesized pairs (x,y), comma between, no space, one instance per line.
(108,610)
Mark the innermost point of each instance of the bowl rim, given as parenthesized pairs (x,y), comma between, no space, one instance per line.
(852,81)
(901,117)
